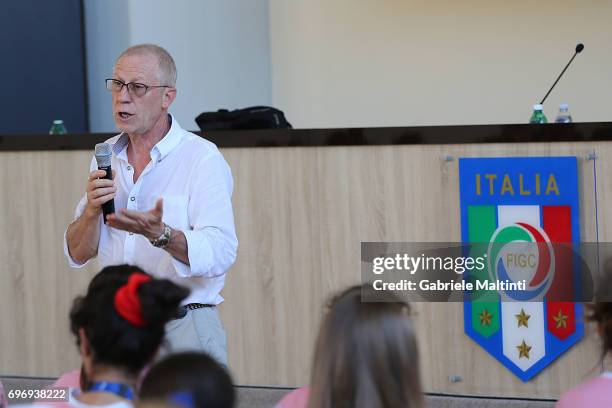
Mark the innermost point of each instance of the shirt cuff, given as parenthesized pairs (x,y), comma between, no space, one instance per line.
(202,259)
(71,262)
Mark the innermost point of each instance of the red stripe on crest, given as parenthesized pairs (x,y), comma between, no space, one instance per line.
(560,314)
(561,319)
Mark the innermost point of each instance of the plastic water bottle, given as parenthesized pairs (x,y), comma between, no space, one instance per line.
(58,128)
(563,116)
(538,115)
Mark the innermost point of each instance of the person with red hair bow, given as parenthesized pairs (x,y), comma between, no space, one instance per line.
(119,327)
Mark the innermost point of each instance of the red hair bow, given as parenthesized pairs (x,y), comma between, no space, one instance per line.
(127,302)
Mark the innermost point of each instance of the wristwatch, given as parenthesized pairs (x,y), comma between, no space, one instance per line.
(163,239)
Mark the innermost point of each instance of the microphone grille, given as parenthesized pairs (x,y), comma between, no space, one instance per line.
(103,152)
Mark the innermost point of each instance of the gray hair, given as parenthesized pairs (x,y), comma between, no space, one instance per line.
(166,65)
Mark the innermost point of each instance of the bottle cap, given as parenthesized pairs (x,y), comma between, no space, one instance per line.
(538,107)
(564,106)
(58,122)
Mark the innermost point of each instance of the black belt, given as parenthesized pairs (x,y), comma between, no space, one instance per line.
(182,312)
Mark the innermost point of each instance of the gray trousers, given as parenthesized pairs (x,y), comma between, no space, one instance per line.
(199,330)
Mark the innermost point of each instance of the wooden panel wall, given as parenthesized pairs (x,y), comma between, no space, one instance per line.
(301,214)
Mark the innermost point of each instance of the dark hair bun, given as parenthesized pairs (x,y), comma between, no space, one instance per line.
(160,300)
(113,339)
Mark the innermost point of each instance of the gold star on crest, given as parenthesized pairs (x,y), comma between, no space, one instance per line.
(523,350)
(560,320)
(485,318)
(523,318)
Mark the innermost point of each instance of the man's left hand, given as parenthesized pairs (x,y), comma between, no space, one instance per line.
(146,223)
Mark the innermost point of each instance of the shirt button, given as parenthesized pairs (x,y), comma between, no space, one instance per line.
(132,198)
(131,233)
(129,167)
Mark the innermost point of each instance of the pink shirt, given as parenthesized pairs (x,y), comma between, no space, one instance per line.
(295,399)
(594,393)
(2,397)
(71,379)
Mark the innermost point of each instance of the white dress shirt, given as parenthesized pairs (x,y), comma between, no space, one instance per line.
(196,183)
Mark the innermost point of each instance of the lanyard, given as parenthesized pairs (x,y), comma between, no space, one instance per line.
(119,389)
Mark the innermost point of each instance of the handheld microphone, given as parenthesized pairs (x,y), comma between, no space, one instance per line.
(579,49)
(103,152)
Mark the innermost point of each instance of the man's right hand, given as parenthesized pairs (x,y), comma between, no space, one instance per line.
(99,191)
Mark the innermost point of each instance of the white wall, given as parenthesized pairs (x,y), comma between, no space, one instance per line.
(107,33)
(221,48)
(352,63)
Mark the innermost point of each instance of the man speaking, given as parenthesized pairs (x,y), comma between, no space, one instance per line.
(172,199)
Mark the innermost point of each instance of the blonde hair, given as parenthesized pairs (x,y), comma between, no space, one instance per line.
(166,66)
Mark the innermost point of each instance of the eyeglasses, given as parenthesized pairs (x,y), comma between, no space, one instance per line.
(135,88)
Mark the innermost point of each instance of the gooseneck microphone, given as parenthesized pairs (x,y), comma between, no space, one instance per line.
(104,154)
(579,49)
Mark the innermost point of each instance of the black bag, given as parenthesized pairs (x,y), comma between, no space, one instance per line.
(256,117)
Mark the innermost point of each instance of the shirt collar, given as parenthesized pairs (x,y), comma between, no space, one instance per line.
(162,148)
